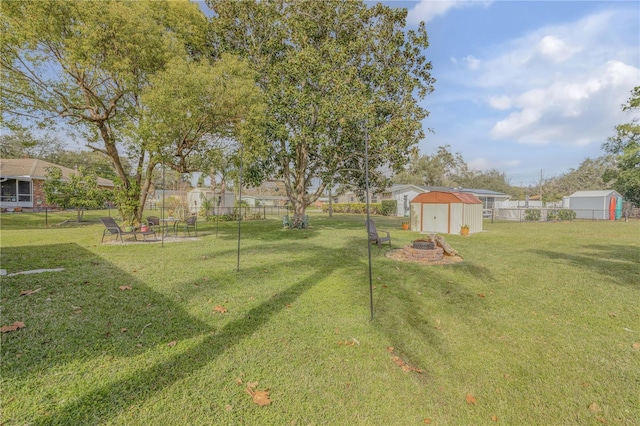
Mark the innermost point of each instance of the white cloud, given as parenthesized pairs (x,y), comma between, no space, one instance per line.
(472,63)
(427,10)
(556,50)
(569,108)
(502,102)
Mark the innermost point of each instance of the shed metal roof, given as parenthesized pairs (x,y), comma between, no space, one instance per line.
(441,197)
(599,193)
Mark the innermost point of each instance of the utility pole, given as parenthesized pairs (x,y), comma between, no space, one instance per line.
(540,185)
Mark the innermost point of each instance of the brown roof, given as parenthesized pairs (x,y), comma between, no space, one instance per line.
(36,169)
(439,197)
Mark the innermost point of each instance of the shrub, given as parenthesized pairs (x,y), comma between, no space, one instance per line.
(532,215)
(566,214)
(552,215)
(388,207)
(361,208)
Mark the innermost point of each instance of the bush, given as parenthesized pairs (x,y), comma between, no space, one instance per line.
(361,208)
(388,207)
(532,215)
(566,214)
(552,215)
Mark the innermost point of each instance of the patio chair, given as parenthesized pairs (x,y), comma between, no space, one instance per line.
(374,237)
(112,228)
(154,222)
(190,223)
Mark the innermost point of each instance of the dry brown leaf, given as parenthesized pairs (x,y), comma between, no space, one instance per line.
(221,309)
(406,368)
(252,385)
(636,345)
(427,421)
(125,287)
(389,348)
(172,343)
(470,399)
(594,408)
(481,295)
(494,418)
(398,361)
(238,380)
(123,330)
(601,420)
(612,314)
(13,327)
(29,292)
(228,407)
(260,397)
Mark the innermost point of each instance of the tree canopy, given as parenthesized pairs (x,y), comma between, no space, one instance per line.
(332,71)
(89,65)
(625,145)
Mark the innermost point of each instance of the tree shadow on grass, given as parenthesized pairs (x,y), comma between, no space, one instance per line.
(81,312)
(134,308)
(619,264)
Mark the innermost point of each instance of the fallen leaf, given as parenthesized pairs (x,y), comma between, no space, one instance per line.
(481,295)
(389,348)
(123,330)
(13,327)
(172,343)
(220,308)
(29,292)
(77,311)
(228,407)
(259,397)
(289,305)
(601,420)
(636,345)
(594,408)
(470,399)
(238,380)
(494,418)
(398,361)
(252,385)
(427,421)
(125,287)
(612,314)
(406,368)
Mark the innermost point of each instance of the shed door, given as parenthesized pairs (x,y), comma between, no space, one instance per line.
(435,218)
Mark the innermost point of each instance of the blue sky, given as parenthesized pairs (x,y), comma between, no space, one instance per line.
(527,86)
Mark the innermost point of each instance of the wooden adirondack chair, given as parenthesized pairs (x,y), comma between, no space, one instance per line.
(374,237)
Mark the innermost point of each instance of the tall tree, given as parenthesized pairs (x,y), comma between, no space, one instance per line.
(626,146)
(440,169)
(332,71)
(85,65)
(588,176)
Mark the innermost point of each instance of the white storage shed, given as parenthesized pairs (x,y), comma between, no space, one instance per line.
(446,212)
(595,204)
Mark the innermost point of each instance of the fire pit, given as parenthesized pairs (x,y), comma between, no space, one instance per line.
(423,245)
(423,250)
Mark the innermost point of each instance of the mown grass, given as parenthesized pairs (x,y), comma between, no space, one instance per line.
(538,324)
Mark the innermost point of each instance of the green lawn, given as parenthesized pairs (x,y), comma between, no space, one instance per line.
(539,325)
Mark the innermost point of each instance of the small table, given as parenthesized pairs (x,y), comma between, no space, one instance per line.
(165,225)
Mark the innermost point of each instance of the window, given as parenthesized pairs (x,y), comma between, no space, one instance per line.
(13,190)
